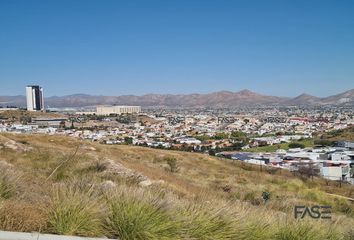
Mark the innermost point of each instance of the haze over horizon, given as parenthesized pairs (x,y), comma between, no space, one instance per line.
(278,48)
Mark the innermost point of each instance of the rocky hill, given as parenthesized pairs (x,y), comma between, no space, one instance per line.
(304,99)
(346,98)
(223,99)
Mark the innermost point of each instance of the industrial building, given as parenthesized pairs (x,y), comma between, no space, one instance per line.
(49,122)
(34,96)
(107,110)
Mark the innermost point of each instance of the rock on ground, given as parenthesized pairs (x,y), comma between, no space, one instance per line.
(12,144)
(117,168)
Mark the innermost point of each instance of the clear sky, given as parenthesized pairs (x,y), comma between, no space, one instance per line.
(117,47)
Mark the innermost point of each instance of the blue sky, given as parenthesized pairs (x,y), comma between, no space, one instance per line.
(118,47)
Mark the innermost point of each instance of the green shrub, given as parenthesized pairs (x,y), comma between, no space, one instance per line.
(296,145)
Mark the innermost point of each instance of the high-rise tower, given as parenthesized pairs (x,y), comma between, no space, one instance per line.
(34,96)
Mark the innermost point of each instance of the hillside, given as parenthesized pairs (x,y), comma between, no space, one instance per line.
(346,98)
(346,134)
(304,99)
(222,99)
(66,186)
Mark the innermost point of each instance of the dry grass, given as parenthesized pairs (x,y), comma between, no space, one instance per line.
(207,198)
(21,216)
(75,210)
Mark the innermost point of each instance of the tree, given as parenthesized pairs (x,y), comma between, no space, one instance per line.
(212,152)
(220,136)
(308,170)
(128,140)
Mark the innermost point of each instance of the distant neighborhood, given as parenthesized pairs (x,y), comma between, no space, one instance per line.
(281,138)
(292,138)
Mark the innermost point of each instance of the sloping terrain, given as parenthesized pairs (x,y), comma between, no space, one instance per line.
(304,99)
(67,186)
(346,98)
(346,134)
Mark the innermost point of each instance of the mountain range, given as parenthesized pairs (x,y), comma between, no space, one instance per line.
(216,99)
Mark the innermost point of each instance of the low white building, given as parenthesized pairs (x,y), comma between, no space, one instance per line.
(107,110)
(339,156)
(338,171)
(189,140)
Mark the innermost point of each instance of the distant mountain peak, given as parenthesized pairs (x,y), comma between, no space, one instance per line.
(344,98)
(245,91)
(224,92)
(222,99)
(305,96)
(304,99)
(248,93)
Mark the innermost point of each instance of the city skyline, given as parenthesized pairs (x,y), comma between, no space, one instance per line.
(274,48)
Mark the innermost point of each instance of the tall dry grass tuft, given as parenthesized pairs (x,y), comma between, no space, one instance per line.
(299,230)
(75,211)
(202,223)
(8,184)
(21,216)
(139,216)
(254,230)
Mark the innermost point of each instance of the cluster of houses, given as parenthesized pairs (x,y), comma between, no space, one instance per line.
(333,163)
(205,130)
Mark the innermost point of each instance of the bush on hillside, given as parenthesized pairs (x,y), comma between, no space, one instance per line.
(296,145)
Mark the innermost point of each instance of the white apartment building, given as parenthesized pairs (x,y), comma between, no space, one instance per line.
(107,110)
